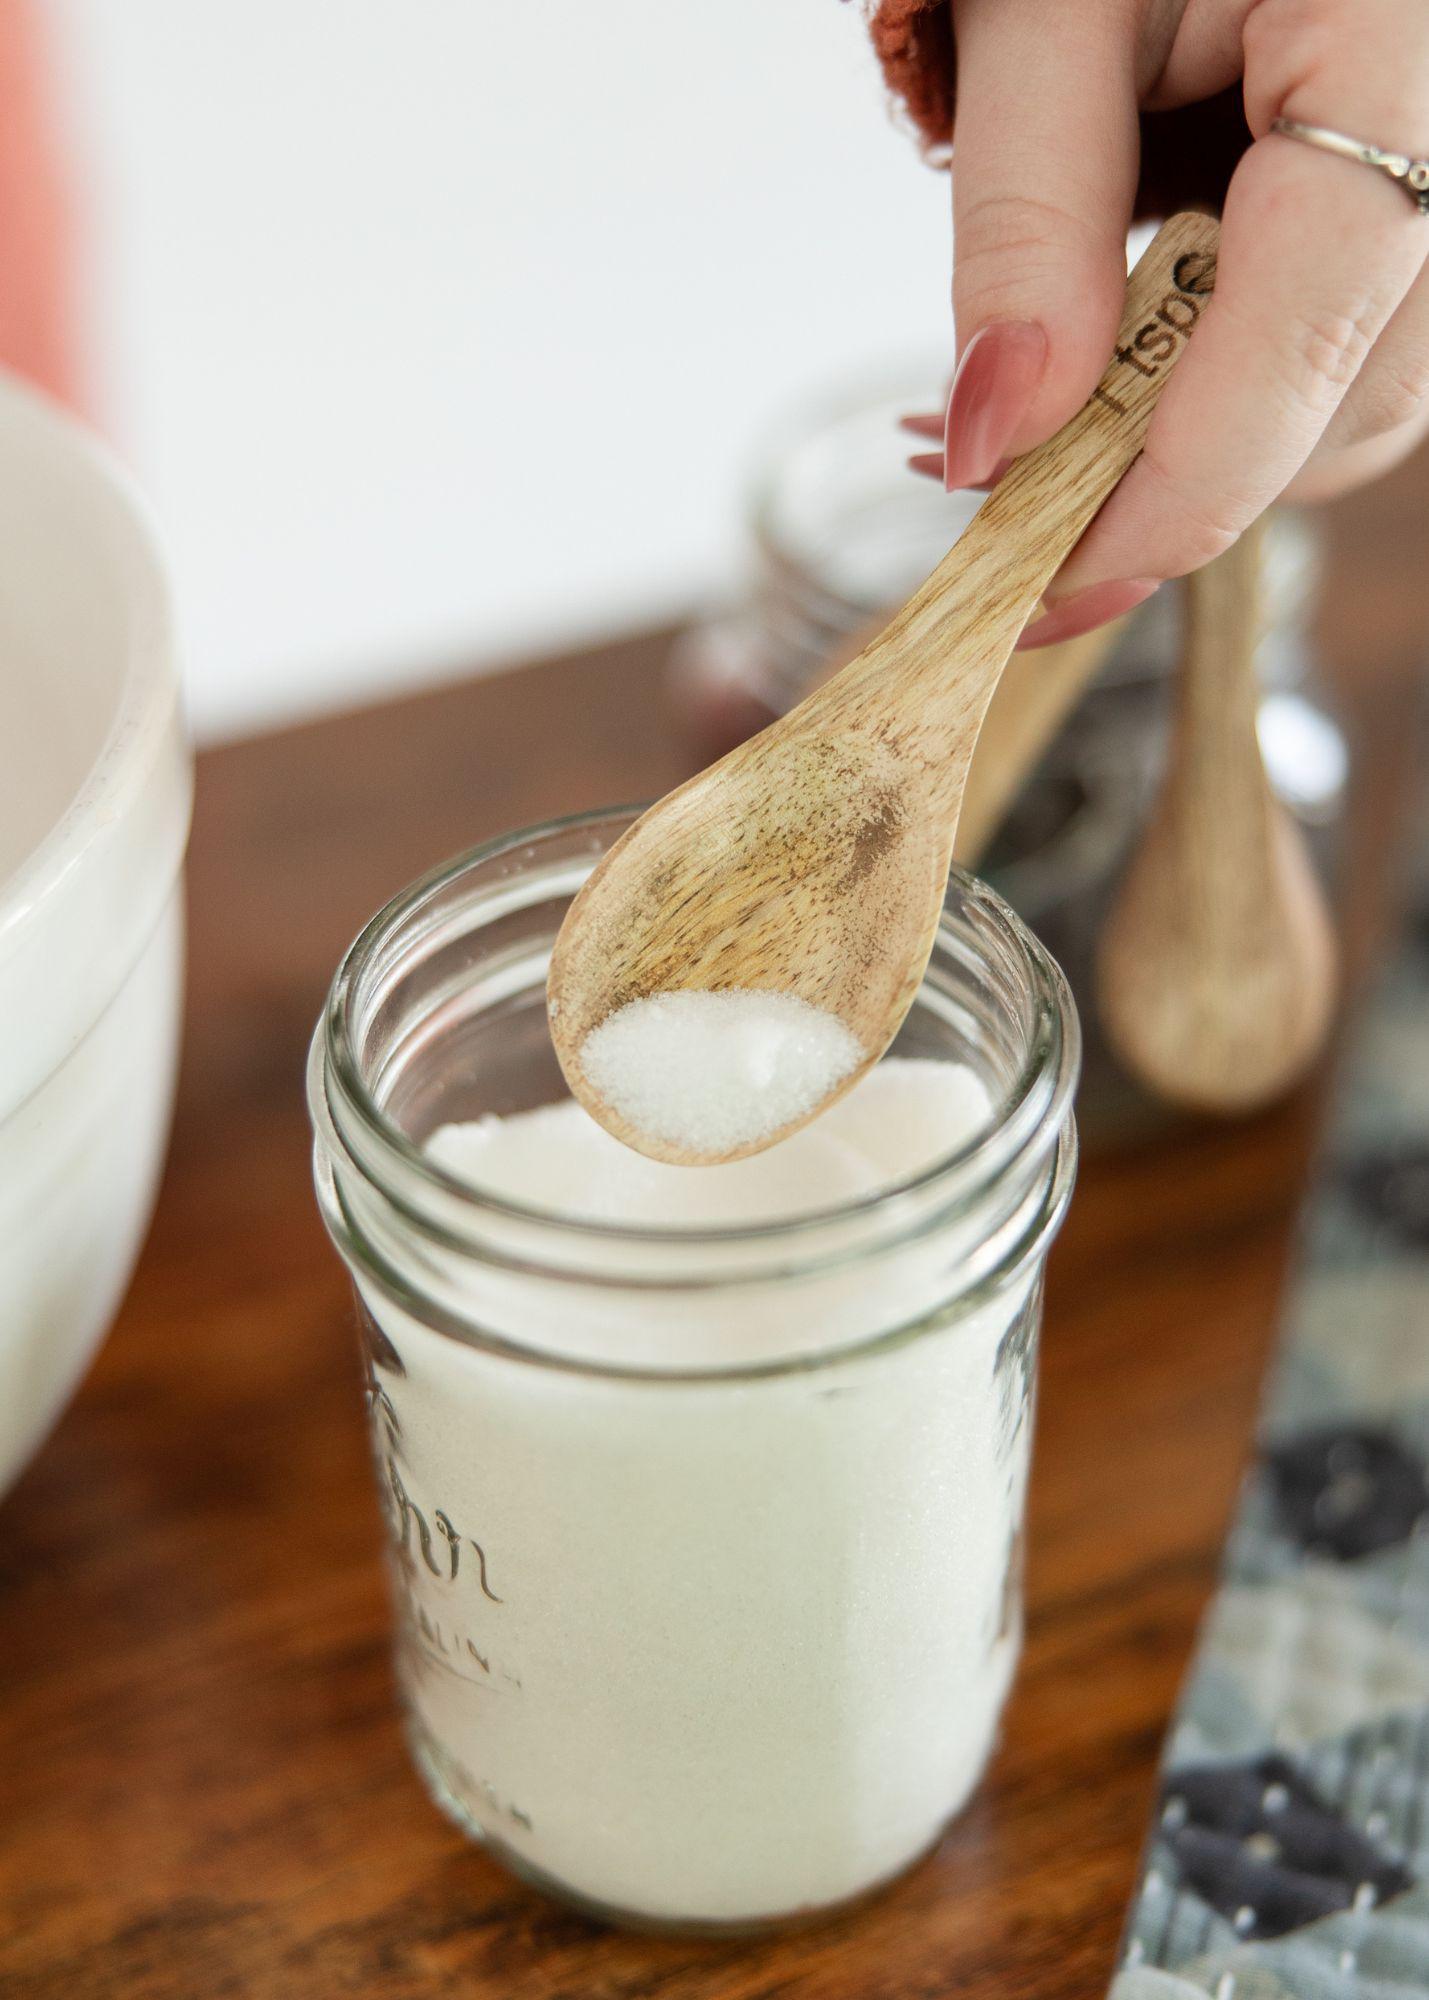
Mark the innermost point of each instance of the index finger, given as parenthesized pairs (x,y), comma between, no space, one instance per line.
(1044,170)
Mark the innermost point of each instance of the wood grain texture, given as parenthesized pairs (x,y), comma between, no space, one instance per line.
(1216,970)
(203,1788)
(811,860)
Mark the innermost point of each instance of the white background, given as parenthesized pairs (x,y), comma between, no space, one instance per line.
(440,331)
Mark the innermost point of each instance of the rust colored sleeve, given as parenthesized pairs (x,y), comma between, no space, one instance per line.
(1187,155)
(36,237)
(914,42)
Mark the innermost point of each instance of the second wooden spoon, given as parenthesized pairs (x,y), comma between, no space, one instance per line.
(1216,969)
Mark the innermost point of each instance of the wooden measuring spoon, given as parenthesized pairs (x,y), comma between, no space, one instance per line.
(813,860)
(1216,969)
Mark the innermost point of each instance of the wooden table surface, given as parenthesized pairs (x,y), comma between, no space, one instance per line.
(203,1788)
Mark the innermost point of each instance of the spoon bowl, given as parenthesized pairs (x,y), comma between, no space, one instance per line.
(823,837)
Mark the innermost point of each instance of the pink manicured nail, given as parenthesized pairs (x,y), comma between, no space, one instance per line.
(930,464)
(930,426)
(1096,605)
(996,381)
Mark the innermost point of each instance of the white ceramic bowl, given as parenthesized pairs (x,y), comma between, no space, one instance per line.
(95,785)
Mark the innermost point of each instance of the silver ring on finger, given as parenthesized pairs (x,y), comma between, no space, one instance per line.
(1411,175)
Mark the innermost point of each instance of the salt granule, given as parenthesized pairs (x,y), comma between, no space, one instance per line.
(711,1072)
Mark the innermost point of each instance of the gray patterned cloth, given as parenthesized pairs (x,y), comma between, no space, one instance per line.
(1290,1855)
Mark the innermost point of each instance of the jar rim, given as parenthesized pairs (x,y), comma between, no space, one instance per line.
(340,1097)
(410,1298)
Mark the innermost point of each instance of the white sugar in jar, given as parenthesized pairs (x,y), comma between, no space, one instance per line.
(704,1486)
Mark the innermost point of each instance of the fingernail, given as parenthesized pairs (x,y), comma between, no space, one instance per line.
(986,485)
(995,383)
(1096,605)
(930,426)
(930,464)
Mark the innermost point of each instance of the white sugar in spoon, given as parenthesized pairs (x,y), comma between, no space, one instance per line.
(811,862)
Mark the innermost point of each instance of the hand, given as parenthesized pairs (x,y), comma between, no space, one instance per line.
(1310,368)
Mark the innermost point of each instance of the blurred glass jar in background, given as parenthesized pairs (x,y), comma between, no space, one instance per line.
(840,531)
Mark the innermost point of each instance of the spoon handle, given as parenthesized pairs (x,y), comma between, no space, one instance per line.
(936,664)
(1040,510)
(1214,750)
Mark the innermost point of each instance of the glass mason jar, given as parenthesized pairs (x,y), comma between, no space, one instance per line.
(840,532)
(698,1626)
